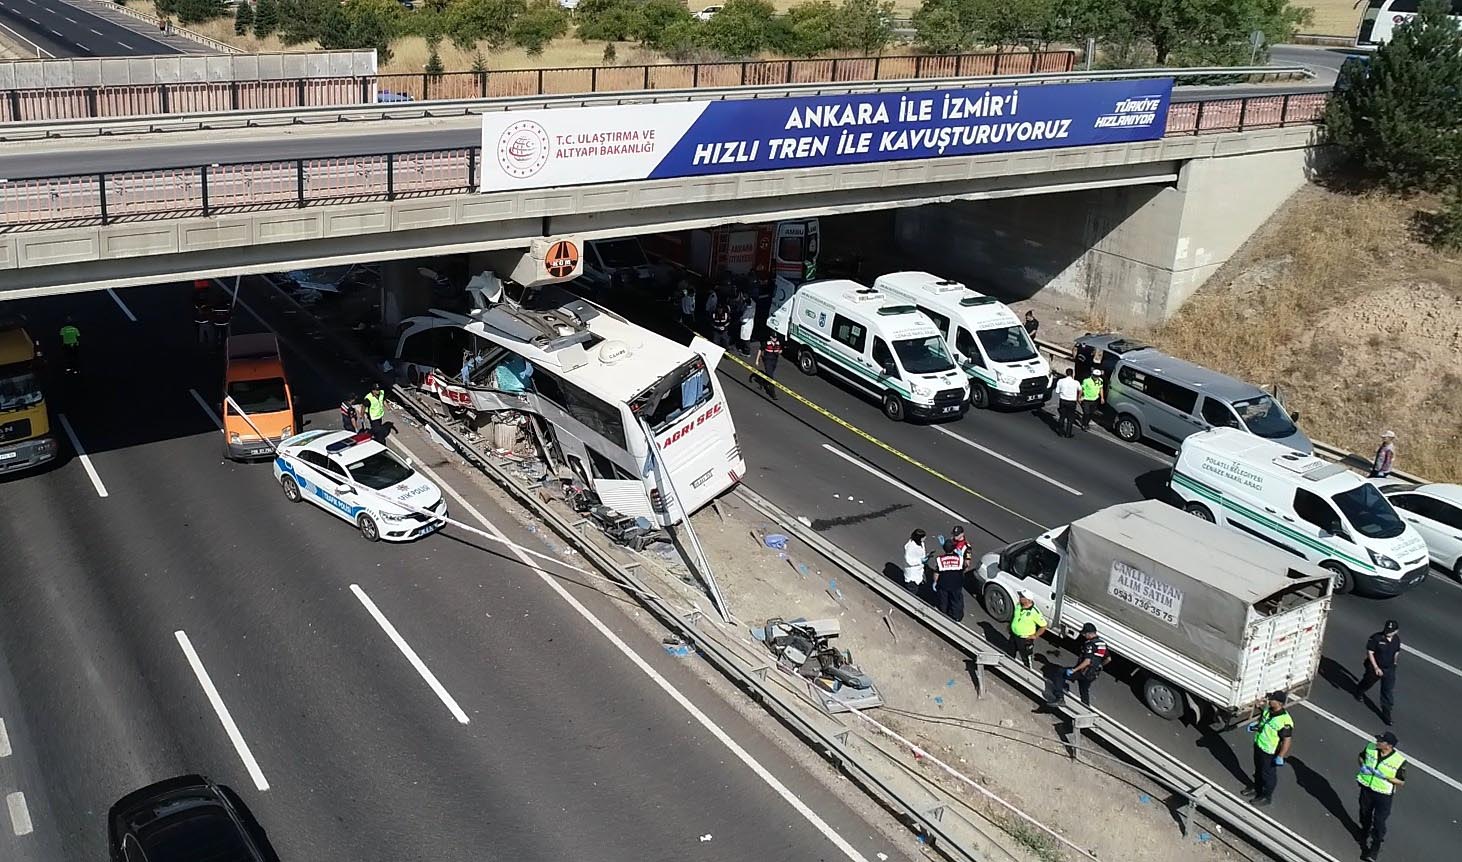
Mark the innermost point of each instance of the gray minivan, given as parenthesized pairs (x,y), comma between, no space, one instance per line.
(1151,394)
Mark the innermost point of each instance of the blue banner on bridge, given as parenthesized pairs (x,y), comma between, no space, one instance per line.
(576,146)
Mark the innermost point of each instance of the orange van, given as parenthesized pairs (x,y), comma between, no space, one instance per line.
(254,382)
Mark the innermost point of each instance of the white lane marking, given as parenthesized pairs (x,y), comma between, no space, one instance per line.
(19,813)
(96,481)
(224,717)
(704,720)
(411,655)
(49,9)
(124,44)
(1342,723)
(69,18)
(206,408)
(98,32)
(896,483)
(83,47)
(4,740)
(1436,661)
(122,305)
(1011,461)
(33,21)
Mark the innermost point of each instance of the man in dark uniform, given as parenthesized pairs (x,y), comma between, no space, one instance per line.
(949,582)
(1382,650)
(1094,657)
(767,356)
(721,325)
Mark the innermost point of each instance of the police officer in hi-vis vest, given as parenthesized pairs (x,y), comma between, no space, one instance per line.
(1272,735)
(1382,771)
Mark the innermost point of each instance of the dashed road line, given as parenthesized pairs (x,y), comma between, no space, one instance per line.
(1345,725)
(1011,461)
(98,32)
(69,18)
(124,44)
(1436,661)
(874,471)
(4,740)
(221,709)
(118,300)
(411,656)
(19,814)
(801,807)
(96,481)
(206,408)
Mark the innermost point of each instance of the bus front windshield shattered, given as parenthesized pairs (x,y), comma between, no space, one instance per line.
(675,395)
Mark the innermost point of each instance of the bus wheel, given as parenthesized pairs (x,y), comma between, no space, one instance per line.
(893,407)
(1199,510)
(1163,698)
(1340,575)
(979,396)
(806,362)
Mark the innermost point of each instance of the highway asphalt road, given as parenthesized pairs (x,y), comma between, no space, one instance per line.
(67,30)
(1022,478)
(570,750)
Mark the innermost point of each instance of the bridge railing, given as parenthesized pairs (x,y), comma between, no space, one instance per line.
(204,190)
(110,102)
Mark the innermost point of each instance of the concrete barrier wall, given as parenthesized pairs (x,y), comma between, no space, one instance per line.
(183,69)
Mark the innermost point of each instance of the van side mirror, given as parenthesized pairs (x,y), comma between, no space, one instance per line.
(1295,417)
(889,370)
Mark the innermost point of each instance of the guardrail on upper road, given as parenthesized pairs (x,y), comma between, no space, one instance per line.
(214,96)
(205,41)
(204,190)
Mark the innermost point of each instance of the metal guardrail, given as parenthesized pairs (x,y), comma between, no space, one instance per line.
(115,102)
(1199,792)
(210,189)
(206,41)
(185,107)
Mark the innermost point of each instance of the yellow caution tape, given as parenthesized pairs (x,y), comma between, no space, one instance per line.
(843,423)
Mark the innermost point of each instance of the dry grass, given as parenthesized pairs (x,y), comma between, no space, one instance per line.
(1358,324)
(409,54)
(222,29)
(1332,17)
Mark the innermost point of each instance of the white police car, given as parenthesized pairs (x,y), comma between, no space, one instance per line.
(357,478)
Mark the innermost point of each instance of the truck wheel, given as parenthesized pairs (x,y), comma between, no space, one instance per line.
(1163,698)
(291,489)
(997,603)
(806,362)
(1341,576)
(1128,429)
(893,407)
(368,528)
(979,396)
(1199,510)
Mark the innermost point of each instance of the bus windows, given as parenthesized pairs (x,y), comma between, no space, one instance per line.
(596,415)
(678,393)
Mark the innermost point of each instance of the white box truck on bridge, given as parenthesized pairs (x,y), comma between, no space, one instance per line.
(1212,620)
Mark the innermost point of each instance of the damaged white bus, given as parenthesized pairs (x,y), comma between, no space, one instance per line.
(591,384)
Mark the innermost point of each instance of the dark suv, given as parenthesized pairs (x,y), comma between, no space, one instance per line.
(185,819)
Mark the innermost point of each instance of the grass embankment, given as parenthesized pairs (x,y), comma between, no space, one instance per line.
(1357,321)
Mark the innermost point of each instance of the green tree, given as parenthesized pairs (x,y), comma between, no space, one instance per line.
(303,20)
(362,24)
(744,28)
(609,20)
(434,68)
(682,40)
(198,11)
(243,18)
(950,26)
(656,18)
(865,26)
(538,25)
(479,63)
(1397,117)
(1210,31)
(490,21)
(266,18)
(812,28)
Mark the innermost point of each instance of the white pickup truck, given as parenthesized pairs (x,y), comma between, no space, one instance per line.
(1212,620)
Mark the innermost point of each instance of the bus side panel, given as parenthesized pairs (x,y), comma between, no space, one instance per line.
(702,454)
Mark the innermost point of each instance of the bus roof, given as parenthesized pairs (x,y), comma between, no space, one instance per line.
(583,343)
(15,345)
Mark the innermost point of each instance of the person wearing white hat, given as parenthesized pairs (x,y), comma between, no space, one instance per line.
(1385,458)
(1027,625)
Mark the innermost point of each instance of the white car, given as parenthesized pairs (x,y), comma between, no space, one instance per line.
(1436,513)
(708,13)
(360,481)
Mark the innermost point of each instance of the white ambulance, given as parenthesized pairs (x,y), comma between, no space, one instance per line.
(1307,506)
(877,343)
(985,337)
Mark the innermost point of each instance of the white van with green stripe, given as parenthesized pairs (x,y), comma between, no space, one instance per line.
(1309,507)
(985,337)
(876,343)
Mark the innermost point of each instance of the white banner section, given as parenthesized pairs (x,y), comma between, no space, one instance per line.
(579,146)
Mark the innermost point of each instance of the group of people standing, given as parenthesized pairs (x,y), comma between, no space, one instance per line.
(942,570)
(722,316)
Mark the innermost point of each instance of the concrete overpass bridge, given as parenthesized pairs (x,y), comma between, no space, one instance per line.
(1138,227)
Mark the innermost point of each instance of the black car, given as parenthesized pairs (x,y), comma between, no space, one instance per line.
(185,819)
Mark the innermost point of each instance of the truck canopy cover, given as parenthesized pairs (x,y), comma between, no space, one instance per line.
(1180,580)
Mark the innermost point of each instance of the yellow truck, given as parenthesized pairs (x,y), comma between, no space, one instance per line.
(25,427)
